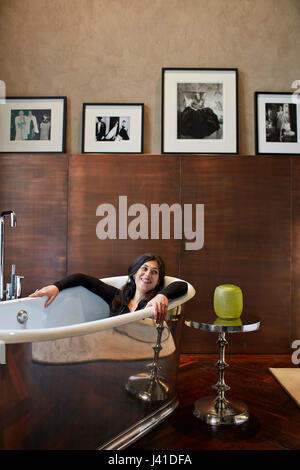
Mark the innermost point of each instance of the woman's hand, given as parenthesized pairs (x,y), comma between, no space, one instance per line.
(49,291)
(160,304)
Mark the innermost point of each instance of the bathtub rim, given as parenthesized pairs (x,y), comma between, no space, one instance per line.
(14,336)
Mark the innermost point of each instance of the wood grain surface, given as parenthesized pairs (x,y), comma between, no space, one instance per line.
(251,229)
(274,421)
(247,243)
(35,187)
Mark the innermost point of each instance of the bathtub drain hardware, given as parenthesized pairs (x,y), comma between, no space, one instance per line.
(22,316)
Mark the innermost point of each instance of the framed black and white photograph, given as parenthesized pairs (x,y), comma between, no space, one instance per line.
(112,127)
(33,124)
(277,121)
(199,110)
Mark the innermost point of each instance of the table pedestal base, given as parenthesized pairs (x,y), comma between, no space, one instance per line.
(233,412)
(218,411)
(150,387)
(147,388)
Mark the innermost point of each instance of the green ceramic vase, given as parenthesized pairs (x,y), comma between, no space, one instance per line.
(228,301)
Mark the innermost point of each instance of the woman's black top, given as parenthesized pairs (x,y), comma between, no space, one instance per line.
(106,292)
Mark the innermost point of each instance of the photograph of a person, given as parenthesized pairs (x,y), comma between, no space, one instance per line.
(112,128)
(281,122)
(276,123)
(27,124)
(200,111)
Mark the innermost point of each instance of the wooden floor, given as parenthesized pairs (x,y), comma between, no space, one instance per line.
(274,422)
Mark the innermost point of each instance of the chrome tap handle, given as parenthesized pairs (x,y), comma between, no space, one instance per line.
(7,291)
(13,223)
(14,288)
(18,286)
(12,281)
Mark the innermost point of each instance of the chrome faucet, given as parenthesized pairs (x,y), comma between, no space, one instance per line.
(13,290)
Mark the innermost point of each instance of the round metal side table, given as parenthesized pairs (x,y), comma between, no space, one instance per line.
(218,410)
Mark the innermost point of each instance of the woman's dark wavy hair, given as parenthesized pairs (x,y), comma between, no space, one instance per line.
(127,292)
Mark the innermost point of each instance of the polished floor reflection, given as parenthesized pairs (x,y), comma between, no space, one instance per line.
(70,406)
(71,393)
(274,422)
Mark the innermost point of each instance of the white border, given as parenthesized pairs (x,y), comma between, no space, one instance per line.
(27,146)
(228,144)
(134,145)
(274,147)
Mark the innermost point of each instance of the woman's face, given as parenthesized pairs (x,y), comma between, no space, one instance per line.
(147,276)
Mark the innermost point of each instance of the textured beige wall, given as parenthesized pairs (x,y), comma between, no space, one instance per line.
(114,50)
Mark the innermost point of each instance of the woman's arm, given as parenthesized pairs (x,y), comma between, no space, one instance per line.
(160,301)
(174,289)
(100,288)
(105,291)
(47,291)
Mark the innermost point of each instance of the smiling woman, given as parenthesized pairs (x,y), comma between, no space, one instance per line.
(148,275)
(146,279)
(143,289)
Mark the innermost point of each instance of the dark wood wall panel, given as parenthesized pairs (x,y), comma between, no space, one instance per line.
(35,187)
(95,180)
(247,243)
(252,228)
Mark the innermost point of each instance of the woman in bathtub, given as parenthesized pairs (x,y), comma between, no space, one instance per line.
(144,288)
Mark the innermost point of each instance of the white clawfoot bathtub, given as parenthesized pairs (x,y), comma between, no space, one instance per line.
(74,312)
(71,363)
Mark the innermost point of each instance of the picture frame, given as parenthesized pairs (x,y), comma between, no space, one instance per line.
(112,128)
(199,110)
(33,124)
(277,123)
